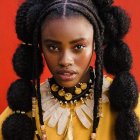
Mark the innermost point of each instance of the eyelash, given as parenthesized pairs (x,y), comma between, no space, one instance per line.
(56,49)
(52,48)
(81,45)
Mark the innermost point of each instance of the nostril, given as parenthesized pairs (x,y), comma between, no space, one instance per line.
(65,64)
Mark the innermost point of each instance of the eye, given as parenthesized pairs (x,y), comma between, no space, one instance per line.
(53,48)
(79,47)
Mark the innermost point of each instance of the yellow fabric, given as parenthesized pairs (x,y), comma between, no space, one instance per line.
(105,129)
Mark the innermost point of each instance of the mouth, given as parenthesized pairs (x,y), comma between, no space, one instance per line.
(66,75)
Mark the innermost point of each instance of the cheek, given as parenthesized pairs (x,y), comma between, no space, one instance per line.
(51,60)
(84,59)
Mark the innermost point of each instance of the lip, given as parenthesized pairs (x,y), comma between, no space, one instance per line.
(66,75)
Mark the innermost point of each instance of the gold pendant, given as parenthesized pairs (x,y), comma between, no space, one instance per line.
(78,90)
(54,87)
(83,86)
(61,92)
(68,96)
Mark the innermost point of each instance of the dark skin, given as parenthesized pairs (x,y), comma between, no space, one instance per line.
(67,45)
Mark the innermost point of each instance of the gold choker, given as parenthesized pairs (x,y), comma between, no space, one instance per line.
(81,91)
(68,95)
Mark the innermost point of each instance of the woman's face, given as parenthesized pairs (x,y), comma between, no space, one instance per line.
(67,45)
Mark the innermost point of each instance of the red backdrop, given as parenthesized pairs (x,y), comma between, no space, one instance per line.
(9,42)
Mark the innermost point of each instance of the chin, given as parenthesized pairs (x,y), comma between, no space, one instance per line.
(67,84)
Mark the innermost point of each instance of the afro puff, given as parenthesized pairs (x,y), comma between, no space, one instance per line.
(123,92)
(21,29)
(131,125)
(32,17)
(18,127)
(117,23)
(103,4)
(19,95)
(117,57)
(23,61)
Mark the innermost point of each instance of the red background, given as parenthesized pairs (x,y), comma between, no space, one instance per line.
(9,42)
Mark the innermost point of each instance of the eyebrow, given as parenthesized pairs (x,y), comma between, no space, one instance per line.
(58,42)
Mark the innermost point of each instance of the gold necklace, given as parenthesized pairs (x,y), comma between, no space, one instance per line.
(83,90)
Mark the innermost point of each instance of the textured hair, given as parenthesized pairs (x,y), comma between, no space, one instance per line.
(111,24)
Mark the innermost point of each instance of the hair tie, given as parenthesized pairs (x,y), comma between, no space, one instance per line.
(19,112)
(28,44)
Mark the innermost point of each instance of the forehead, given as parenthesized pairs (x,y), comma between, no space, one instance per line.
(71,27)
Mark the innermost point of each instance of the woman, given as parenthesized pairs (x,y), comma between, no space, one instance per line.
(77,102)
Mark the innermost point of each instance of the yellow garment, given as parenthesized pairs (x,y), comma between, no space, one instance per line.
(105,130)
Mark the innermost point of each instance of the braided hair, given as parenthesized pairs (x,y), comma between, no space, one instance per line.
(111,24)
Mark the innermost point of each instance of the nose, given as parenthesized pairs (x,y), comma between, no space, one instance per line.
(66,59)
